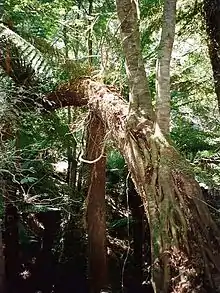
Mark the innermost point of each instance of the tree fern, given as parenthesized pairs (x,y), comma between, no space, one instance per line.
(20,59)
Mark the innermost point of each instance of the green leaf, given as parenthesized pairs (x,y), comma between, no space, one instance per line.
(28,180)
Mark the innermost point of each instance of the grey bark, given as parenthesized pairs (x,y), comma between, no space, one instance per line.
(163,65)
(139,97)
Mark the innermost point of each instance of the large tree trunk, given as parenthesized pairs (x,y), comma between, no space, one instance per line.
(184,240)
(172,199)
(212,18)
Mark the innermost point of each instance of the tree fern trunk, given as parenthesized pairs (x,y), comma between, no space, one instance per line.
(96,218)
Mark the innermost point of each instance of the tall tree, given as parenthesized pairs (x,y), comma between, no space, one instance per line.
(184,239)
(166,187)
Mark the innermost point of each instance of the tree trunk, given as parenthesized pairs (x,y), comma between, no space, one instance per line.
(72,162)
(212,18)
(184,240)
(163,65)
(140,100)
(96,218)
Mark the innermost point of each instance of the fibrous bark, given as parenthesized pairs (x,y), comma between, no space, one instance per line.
(95,202)
(212,18)
(163,65)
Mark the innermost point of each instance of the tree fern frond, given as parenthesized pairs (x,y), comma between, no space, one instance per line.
(56,55)
(20,59)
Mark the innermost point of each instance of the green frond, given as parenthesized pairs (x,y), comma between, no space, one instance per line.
(23,62)
(46,48)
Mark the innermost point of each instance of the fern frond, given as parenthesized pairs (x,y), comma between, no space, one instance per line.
(21,60)
(55,54)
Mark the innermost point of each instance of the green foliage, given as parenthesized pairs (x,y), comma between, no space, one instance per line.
(190,139)
(115,160)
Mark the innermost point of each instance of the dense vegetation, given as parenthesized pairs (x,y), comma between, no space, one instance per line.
(49,149)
